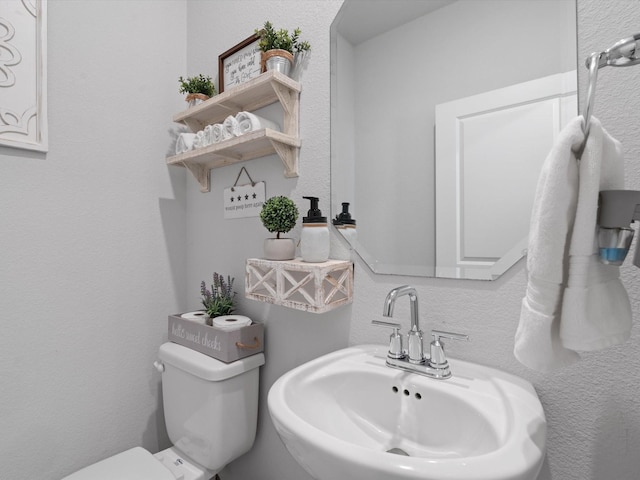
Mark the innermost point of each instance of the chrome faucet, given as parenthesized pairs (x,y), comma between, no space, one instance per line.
(390,302)
(414,360)
(416,351)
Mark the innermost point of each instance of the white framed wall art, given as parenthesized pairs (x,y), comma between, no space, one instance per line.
(23,74)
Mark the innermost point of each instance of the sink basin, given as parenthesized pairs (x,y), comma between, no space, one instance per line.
(347,416)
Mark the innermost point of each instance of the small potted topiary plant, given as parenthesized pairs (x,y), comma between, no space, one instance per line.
(279,215)
(198,89)
(279,46)
(220,300)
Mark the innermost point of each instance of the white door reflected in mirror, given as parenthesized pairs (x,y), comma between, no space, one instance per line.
(490,148)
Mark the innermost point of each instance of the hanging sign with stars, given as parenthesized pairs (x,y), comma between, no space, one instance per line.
(244,200)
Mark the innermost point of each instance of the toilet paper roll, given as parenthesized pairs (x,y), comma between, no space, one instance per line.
(231,322)
(199,316)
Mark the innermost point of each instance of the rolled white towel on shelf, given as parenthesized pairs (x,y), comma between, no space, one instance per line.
(198,140)
(231,128)
(184,143)
(249,122)
(218,133)
(208,136)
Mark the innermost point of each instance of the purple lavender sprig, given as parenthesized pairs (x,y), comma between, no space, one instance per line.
(221,298)
(206,294)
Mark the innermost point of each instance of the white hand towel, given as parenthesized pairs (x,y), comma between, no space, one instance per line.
(596,312)
(249,122)
(230,125)
(537,341)
(563,217)
(184,142)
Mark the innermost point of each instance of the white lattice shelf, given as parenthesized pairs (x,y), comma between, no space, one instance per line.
(312,287)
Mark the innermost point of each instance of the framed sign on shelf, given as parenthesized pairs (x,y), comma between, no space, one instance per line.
(240,63)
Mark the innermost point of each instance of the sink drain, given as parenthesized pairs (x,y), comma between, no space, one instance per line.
(398,451)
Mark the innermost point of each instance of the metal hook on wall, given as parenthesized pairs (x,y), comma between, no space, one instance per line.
(621,54)
(593,63)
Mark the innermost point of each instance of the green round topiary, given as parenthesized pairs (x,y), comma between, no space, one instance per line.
(279,214)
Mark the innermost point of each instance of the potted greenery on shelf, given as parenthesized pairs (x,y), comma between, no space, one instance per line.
(279,215)
(198,89)
(220,300)
(279,46)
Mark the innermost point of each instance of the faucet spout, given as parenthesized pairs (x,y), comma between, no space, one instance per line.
(390,301)
(413,359)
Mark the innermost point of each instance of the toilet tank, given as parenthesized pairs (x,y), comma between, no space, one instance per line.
(210,407)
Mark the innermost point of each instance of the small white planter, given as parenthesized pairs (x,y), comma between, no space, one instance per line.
(194,99)
(279,248)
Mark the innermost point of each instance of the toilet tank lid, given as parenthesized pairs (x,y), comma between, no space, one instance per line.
(134,464)
(203,366)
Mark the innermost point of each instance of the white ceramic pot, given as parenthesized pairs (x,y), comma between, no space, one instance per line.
(279,248)
(194,99)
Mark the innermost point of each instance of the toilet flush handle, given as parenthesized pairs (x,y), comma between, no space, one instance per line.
(159,366)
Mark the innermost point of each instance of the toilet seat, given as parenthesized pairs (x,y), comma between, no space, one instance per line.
(134,464)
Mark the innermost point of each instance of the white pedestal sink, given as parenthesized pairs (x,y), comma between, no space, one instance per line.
(347,416)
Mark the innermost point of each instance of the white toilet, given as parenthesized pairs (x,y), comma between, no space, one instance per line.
(210,410)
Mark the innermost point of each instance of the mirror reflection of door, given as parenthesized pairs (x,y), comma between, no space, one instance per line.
(386,84)
(490,148)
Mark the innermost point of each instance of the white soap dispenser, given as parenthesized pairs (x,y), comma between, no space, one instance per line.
(314,240)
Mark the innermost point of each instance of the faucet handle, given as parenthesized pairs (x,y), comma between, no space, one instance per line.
(438,334)
(395,339)
(437,357)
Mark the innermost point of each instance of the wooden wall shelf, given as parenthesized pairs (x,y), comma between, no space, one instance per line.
(266,89)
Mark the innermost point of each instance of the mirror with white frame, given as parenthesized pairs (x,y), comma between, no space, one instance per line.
(442,112)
